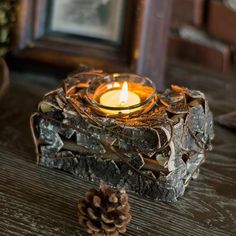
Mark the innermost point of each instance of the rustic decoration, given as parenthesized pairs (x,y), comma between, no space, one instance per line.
(104,212)
(153,153)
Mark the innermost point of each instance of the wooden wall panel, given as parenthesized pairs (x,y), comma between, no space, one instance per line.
(197,53)
(188,12)
(221,22)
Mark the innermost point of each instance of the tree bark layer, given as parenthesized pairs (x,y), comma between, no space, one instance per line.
(154,154)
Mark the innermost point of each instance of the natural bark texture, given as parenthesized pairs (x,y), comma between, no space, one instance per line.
(154,154)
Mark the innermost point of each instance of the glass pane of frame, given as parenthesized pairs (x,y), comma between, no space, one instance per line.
(99,20)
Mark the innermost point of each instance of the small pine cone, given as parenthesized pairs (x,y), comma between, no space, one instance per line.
(104,212)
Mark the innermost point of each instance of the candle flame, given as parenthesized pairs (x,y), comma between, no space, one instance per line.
(124,93)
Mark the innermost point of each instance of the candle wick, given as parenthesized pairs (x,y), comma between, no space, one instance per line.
(122,103)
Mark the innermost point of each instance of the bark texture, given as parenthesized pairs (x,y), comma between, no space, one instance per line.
(154,154)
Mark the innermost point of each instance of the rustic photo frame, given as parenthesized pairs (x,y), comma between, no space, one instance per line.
(142,49)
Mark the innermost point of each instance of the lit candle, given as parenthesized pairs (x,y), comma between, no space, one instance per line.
(119,98)
(121,93)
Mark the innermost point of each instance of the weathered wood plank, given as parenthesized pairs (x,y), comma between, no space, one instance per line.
(50,197)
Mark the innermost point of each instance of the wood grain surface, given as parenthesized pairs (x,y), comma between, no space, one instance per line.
(39,201)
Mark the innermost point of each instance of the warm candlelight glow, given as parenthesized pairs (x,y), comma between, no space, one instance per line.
(119,98)
(121,94)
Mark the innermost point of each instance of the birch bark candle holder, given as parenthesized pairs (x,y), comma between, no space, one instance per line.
(153,151)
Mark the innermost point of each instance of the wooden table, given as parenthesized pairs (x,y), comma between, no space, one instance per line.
(39,201)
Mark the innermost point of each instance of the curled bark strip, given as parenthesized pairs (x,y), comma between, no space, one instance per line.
(97,73)
(169,138)
(53,92)
(123,158)
(35,139)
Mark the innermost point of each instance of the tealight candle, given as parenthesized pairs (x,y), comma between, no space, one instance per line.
(117,94)
(119,98)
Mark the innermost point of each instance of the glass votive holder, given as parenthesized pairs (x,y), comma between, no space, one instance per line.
(121,95)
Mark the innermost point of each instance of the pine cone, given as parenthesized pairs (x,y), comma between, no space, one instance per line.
(104,212)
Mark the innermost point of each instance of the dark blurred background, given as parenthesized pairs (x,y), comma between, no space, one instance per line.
(203,33)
